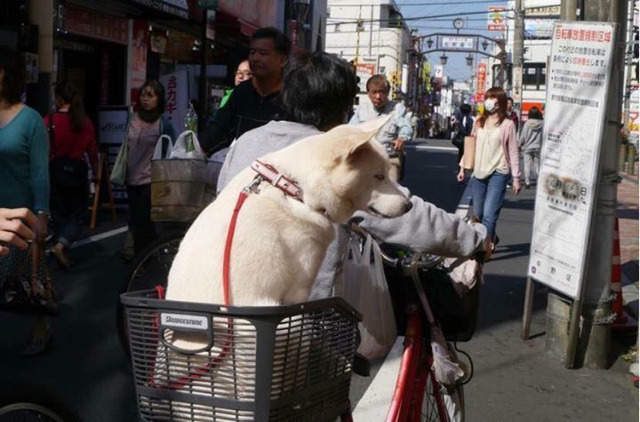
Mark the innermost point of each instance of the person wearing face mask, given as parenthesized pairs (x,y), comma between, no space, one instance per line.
(496,160)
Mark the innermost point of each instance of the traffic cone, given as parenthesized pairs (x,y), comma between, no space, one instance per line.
(623,321)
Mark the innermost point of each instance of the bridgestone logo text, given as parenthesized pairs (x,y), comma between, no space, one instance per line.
(185,321)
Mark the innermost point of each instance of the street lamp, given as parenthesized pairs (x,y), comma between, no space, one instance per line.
(443,59)
(485,44)
(469,59)
(429,43)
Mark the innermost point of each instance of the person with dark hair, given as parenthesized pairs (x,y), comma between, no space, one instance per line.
(496,158)
(256,101)
(398,129)
(318,93)
(512,114)
(71,135)
(145,126)
(24,171)
(530,143)
(464,126)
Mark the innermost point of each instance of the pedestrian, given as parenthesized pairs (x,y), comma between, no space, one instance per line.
(254,102)
(145,126)
(317,95)
(243,73)
(511,114)
(396,132)
(24,172)
(464,128)
(414,124)
(530,143)
(496,159)
(71,136)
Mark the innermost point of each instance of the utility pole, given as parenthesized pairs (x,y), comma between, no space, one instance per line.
(629,61)
(594,337)
(518,57)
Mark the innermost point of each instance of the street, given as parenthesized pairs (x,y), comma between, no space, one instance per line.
(513,380)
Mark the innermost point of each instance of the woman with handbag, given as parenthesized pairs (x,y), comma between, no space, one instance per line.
(71,136)
(496,159)
(145,126)
(24,179)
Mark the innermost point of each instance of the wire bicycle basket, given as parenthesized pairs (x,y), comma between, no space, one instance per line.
(202,362)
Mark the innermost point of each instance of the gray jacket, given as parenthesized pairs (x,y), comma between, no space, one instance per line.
(531,135)
(424,228)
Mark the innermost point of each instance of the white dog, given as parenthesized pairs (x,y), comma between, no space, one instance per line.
(278,246)
(279,241)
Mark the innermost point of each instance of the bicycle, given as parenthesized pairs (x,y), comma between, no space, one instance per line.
(418,395)
(30,404)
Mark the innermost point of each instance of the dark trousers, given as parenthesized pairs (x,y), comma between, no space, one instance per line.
(140,224)
(68,205)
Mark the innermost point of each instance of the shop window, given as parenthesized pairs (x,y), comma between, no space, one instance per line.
(534,76)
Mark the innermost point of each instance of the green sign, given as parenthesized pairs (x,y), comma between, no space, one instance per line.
(208,4)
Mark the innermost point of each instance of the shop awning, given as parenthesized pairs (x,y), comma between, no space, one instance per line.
(173,7)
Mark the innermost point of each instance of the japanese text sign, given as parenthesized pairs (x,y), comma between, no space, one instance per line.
(577,89)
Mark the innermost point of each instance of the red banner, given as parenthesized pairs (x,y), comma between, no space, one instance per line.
(139,47)
(481,81)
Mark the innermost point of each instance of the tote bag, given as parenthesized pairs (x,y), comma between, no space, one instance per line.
(119,170)
(364,286)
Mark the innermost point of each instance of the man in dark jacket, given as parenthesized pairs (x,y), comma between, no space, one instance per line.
(511,114)
(464,123)
(254,102)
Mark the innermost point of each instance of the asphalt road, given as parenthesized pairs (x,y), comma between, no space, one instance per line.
(514,380)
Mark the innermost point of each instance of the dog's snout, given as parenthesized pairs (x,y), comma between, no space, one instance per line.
(407,206)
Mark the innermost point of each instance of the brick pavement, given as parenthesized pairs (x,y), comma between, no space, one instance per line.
(628,219)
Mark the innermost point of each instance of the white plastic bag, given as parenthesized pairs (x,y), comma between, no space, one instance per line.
(364,286)
(187,146)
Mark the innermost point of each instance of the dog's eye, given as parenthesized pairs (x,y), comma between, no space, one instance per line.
(379,177)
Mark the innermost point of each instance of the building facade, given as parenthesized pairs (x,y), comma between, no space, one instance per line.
(373,35)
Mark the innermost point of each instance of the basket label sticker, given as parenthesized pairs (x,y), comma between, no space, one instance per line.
(193,322)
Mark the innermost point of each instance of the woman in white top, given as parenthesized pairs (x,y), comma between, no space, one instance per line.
(496,160)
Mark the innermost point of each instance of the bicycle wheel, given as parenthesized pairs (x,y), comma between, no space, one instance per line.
(149,269)
(32,406)
(437,403)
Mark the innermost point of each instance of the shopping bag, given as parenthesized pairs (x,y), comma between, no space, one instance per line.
(364,286)
(25,282)
(469,156)
(119,170)
(181,187)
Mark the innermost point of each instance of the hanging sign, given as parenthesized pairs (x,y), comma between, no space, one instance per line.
(481,81)
(177,89)
(457,42)
(497,18)
(576,106)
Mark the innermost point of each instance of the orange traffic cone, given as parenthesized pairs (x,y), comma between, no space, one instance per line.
(623,321)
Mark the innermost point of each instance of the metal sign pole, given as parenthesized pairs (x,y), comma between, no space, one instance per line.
(528,308)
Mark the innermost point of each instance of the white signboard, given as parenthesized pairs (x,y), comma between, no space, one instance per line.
(454,42)
(439,71)
(176,87)
(580,69)
(497,18)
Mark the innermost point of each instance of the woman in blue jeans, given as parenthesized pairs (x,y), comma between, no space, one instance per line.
(496,159)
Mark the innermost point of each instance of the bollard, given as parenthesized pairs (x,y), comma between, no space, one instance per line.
(622,157)
(631,159)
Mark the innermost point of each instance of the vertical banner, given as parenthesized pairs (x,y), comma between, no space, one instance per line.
(576,106)
(177,89)
(364,71)
(139,46)
(481,81)
(497,18)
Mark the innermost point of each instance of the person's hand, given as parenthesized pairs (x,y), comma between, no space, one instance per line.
(42,227)
(460,176)
(516,186)
(398,144)
(17,226)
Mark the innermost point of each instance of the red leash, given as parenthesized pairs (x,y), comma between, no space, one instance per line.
(227,247)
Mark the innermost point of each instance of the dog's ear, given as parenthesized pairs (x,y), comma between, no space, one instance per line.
(373,126)
(357,144)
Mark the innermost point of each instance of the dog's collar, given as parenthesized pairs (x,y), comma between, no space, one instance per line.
(277,179)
